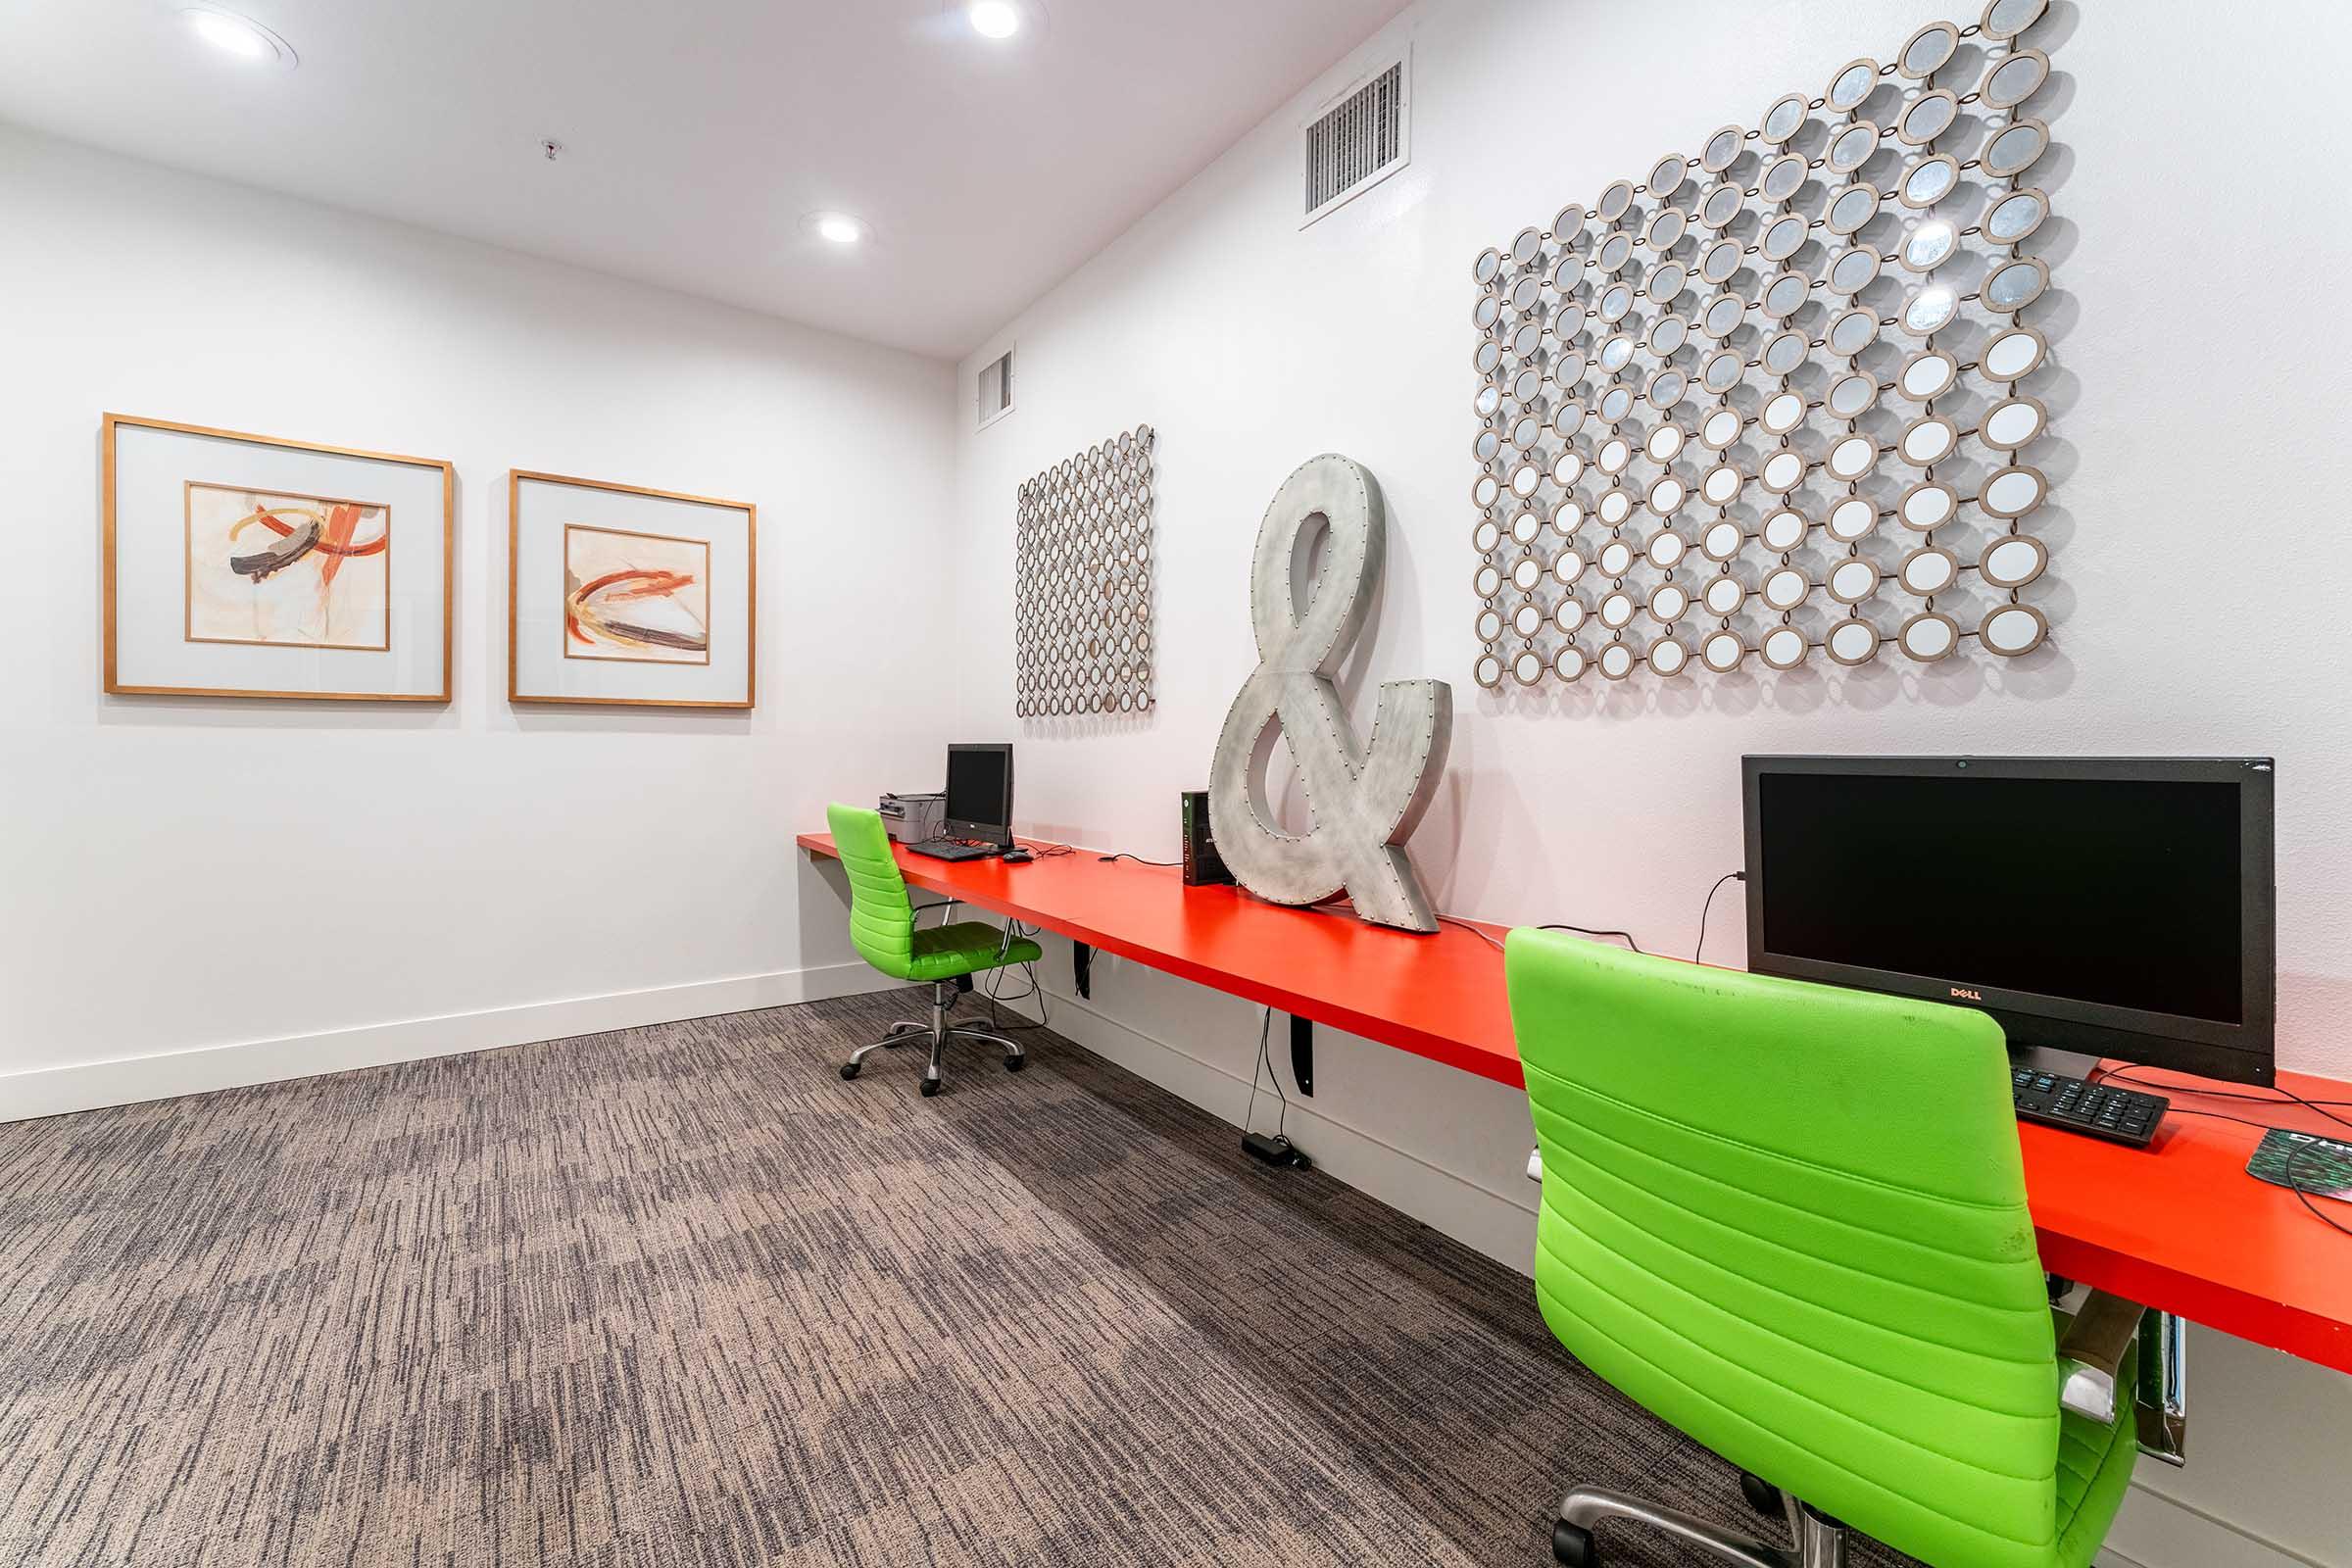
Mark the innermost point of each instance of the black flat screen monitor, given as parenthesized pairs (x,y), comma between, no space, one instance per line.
(980,792)
(2114,906)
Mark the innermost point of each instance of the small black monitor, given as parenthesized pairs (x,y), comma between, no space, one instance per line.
(980,792)
(2112,907)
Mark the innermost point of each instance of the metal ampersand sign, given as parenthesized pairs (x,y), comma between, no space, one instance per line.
(1364,800)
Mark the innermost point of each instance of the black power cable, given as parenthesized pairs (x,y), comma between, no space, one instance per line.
(1479,932)
(2302,1193)
(1588,931)
(2297,1188)
(2286,1097)
(1341,902)
(1710,909)
(1265,1065)
(992,992)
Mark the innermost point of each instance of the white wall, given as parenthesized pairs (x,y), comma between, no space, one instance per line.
(203,890)
(2197,432)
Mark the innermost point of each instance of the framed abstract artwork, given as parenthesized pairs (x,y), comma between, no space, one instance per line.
(620,594)
(247,566)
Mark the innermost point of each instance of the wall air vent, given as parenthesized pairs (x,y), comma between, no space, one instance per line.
(994,389)
(1358,141)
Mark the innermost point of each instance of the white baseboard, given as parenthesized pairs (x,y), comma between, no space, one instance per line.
(128,1080)
(2154,1531)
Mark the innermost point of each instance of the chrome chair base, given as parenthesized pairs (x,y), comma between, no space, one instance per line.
(1819,1540)
(939,1032)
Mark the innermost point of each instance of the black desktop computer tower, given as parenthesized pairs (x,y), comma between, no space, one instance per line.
(1202,865)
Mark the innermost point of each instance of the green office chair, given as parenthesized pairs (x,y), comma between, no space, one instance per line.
(1790,1220)
(882,928)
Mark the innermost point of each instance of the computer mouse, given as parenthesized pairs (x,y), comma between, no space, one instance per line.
(1015,856)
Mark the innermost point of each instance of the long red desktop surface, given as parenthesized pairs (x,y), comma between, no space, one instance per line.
(2178,1225)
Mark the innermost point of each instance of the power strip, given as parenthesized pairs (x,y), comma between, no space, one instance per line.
(1276,1151)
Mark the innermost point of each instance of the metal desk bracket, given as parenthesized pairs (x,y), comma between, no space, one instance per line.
(2161,1403)
(1082,968)
(1302,1054)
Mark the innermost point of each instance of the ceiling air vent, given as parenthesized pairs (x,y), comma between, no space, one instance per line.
(994,389)
(1358,142)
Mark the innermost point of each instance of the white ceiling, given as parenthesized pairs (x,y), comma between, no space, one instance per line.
(700,133)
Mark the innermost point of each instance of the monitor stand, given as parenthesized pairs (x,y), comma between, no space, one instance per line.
(2050,1059)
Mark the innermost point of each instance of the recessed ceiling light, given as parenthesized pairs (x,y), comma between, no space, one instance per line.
(839,227)
(239,36)
(995,19)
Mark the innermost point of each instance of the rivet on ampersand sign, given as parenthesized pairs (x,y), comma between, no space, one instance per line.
(1365,800)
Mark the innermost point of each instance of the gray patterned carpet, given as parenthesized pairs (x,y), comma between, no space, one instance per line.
(680,1295)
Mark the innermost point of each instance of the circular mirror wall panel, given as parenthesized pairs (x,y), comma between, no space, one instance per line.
(1854,82)
(1851,520)
(1081,581)
(1816,326)
(1851,148)
(2013,630)
(2012,560)
(1929,636)
(1785,588)
(1853,641)
(1784,647)
(1853,580)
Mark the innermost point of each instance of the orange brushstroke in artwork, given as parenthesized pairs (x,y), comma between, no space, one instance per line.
(646,584)
(372,547)
(649,584)
(335,543)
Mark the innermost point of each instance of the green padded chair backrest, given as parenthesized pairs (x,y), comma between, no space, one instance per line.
(881,915)
(1790,1220)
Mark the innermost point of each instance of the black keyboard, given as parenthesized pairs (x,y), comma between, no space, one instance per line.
(2124,1115)
(954,849)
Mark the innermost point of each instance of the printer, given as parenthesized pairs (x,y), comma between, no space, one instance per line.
(915,818)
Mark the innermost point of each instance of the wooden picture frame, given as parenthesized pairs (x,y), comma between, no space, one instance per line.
(628,679)
(149,512)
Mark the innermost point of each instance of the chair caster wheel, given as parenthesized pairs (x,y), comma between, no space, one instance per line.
(849,1069)
(1016,1063)
(1762,1495)
(930,1087)
(1572,1545)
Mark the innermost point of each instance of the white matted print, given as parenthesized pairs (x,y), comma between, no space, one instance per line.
(247,566)
(300,572)
(621,594)
(639,597)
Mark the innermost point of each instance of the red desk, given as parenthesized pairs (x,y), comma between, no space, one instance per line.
(2178,1225)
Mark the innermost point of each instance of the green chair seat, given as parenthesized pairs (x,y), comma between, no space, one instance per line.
(968,945)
